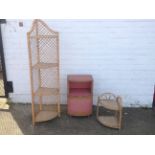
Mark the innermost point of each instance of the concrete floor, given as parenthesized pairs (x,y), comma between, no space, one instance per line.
(17,120)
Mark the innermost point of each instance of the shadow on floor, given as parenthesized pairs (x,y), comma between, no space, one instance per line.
(136,121)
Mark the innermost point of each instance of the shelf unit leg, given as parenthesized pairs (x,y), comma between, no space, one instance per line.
(33,116)
(120,119)
(40,103)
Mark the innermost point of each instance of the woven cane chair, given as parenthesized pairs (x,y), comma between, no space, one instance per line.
(110,102)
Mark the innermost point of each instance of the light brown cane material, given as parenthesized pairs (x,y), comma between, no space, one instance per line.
(111,103)
(43,45)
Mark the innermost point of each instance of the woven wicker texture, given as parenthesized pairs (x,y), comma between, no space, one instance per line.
(112,103)
(44,68)
(8,125)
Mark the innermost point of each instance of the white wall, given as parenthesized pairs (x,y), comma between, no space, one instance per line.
(120,54)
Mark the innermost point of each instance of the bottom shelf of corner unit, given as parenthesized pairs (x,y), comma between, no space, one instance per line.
(109,121)
(45,115)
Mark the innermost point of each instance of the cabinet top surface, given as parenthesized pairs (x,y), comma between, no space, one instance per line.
(80,78)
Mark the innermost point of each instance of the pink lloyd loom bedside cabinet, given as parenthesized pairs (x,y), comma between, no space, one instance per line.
(79,95)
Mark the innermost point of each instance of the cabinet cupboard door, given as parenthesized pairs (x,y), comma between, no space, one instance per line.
(79,106)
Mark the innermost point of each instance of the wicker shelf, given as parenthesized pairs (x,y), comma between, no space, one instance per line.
(109,121)
(111,105)
(44,65)
(46,91)
(45,116)
(43,44)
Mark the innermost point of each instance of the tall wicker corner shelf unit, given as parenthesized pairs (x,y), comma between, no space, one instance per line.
(43,45)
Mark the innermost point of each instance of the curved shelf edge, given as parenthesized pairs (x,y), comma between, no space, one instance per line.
(44,116)
(109,121)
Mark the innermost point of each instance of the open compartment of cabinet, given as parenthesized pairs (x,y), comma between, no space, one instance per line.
(79,95)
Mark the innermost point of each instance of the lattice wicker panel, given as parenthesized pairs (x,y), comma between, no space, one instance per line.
(34,52)
(44,67)
(48,50)
(35,79)
(49,77)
